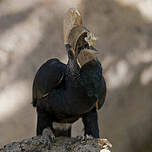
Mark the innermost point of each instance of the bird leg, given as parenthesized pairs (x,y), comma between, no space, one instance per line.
(90,122)
(44,125)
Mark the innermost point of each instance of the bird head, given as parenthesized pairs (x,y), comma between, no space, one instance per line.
(79,41)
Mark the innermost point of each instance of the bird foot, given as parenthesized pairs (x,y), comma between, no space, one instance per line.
(84,138)
(47,137)
(48,134)
(104,143)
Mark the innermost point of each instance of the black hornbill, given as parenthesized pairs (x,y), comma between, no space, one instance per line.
(64,93)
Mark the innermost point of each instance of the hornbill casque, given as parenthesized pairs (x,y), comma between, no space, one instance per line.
(63,93)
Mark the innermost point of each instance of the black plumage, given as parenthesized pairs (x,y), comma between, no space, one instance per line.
(64,93)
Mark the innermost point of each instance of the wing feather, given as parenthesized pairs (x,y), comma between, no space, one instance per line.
(102,95)
(49,76)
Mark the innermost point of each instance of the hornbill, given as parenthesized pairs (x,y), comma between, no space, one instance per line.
(64,93)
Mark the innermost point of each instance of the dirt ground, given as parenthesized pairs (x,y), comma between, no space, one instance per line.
(31,32)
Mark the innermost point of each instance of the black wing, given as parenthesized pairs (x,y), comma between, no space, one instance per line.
(93,81)
(49,75)
(102,95)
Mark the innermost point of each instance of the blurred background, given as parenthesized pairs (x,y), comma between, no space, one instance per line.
(31,32)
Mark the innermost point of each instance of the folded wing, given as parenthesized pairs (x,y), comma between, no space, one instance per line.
(49,76)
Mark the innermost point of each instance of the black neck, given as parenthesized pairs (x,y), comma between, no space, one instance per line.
(73,69)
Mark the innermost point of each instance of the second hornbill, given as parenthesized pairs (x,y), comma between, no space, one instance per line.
(64,93)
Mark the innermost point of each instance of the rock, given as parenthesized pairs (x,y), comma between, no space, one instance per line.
(61,144)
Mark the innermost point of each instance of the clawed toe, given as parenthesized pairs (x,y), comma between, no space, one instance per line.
(89,137)
(80,138)
(52,138)
(84,138)
(48,133)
